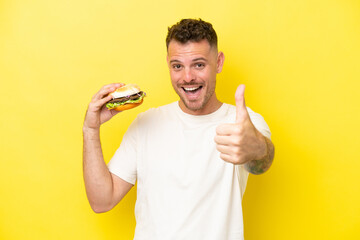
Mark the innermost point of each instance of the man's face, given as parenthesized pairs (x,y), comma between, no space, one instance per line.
(193,67)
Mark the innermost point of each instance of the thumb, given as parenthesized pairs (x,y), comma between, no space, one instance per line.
(241,111)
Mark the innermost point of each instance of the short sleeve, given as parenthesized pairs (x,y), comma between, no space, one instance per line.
(259,123)
(123,163)
(262,127)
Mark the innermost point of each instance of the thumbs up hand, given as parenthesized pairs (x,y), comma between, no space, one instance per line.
(240,142)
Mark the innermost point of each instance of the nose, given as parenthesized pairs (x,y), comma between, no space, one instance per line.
(189,75)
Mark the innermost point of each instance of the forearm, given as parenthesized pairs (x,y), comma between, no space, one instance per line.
(98,180)
(261,165)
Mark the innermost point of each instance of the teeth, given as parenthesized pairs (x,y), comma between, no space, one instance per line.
(190,89)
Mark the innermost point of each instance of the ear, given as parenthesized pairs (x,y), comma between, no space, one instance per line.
(220,62)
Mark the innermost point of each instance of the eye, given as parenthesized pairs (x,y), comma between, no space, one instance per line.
(199,65)
(176,66)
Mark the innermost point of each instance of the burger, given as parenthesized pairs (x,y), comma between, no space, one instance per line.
(126,97)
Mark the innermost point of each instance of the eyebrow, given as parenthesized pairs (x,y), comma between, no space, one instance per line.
(194,60)
(176,61)
(199,59)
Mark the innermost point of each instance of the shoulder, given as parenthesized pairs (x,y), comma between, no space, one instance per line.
(256,118)
(150,119)
(154,112)
(157,114)
(232,111)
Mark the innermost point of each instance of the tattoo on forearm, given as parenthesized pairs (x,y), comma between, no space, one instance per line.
(262,165)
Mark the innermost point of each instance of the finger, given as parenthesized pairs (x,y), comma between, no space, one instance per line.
(241,111)
(228,140)
(228,129)
(105,90)
(102,92)
(114,112)
(108,89)
(103,101)
(227,157)
(225,149)
(98,102)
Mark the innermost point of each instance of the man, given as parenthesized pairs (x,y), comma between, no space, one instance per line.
(190,158)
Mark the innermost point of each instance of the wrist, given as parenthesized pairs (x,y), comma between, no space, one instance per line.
(91,130)
(264,159)
(263,148)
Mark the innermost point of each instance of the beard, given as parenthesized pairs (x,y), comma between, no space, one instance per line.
(198,104)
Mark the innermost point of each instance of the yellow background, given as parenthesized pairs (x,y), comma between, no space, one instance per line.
(300,61)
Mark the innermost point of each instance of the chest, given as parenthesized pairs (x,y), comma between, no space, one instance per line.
(176,155)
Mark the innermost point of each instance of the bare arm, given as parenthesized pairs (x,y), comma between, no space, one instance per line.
(262,164)
(104,189)
(242,143)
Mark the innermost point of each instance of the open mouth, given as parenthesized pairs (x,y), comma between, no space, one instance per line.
(191,89)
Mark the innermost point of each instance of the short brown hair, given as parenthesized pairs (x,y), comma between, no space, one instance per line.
(191,30)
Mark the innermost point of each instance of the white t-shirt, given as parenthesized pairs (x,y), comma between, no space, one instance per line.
(185,190)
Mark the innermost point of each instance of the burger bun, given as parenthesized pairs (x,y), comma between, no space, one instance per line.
(125,90)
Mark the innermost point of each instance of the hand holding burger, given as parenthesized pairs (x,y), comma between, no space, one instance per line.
(109,100)
(126,97)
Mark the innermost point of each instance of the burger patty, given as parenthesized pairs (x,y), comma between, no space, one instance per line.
(123,99)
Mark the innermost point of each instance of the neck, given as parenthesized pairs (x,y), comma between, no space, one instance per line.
(210,107)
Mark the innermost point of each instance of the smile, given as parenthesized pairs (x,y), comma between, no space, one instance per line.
(191,89)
